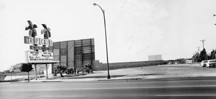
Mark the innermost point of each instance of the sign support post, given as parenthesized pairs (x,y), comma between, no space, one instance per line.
(35,71)
(46,72)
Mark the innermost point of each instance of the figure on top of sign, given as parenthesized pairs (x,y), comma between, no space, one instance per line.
(46,32)
(31,28)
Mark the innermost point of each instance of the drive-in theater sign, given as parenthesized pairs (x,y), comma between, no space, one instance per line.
(39,47)
(38,52)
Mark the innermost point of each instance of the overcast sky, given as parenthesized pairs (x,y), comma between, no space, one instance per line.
(135,28)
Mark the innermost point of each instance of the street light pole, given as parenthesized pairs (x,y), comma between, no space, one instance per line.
(108,75)
(203,41)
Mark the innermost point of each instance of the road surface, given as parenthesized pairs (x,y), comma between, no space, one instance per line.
(117,89)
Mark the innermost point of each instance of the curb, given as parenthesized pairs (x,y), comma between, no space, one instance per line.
(162,78)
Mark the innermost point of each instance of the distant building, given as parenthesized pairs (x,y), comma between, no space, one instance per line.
(2,76)
(74,53)
(16,67)
(179,61)
(189,61)
(154,57)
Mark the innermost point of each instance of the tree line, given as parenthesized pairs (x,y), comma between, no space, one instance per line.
(199,56)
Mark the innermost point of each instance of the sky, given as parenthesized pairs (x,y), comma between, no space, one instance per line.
(135,28)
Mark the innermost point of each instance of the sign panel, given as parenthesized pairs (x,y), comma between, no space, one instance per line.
(39,57)
(38,41)
(154,57)
(38,48)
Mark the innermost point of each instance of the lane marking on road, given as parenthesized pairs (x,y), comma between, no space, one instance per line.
(60,96)
(108,88)
(187,95)
(178,81)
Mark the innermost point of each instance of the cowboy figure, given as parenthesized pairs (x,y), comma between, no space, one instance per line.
(31,28)
(46,32)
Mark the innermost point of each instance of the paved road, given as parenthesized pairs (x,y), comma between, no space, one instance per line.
(131,89)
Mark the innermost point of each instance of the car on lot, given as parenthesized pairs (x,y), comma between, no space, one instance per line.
(208,63)
(203,63)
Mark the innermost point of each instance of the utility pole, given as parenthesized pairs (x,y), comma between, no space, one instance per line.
(198,49)
(214,16)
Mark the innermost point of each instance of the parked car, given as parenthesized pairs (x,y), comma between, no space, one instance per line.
(203,63)
(208,63)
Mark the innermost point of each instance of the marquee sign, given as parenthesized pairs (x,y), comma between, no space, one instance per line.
(39,57)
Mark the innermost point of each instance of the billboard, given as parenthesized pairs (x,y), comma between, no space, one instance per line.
(39,57)
(154,57)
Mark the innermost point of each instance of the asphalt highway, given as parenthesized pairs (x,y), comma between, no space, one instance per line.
(111,89)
